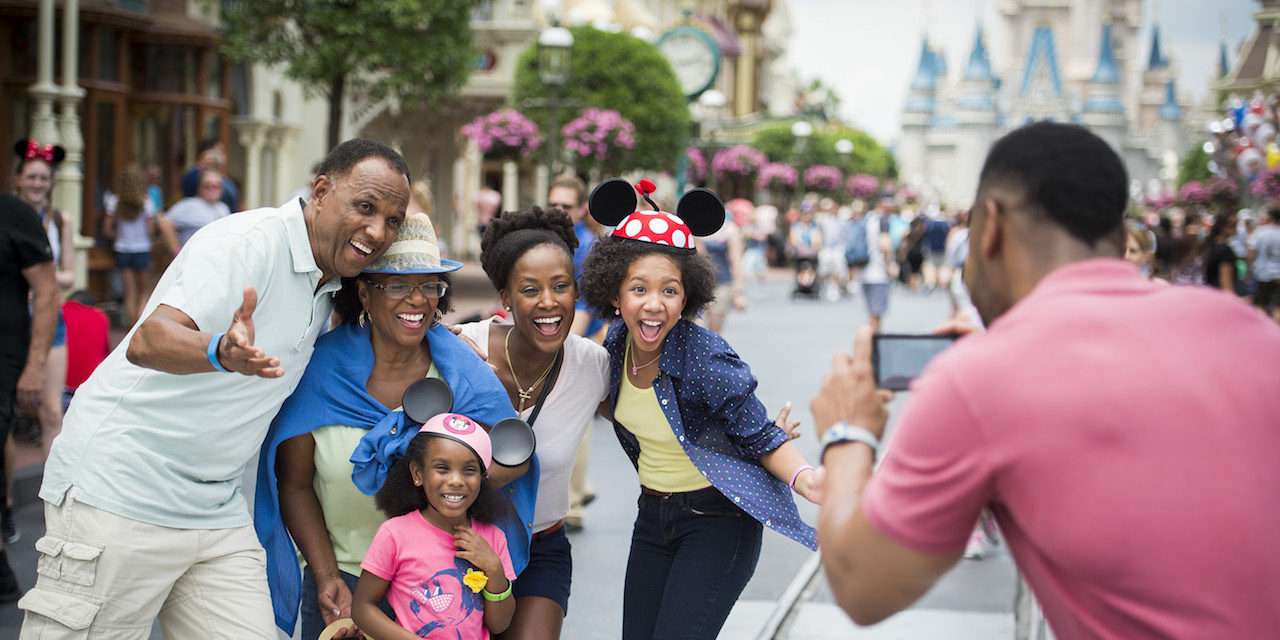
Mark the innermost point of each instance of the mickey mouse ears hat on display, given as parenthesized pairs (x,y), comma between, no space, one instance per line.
(29,149)
(698,214)
(510,443)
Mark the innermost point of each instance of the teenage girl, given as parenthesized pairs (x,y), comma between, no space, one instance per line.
(438,559)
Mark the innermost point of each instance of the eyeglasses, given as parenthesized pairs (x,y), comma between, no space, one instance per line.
(402,290)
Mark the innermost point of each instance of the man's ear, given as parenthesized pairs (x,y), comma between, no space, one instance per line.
(321,185)
(991,236)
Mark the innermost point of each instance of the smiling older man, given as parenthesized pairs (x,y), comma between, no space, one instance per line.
(144,511)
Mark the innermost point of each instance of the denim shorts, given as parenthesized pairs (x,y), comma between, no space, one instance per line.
(139,261)
(877,297)
(550,569)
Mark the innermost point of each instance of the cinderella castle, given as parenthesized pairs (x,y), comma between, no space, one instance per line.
(1063,60)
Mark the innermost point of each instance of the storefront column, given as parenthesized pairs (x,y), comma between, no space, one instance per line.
(250,134)
(541,183)
(510,185)
(44,125)
(68,193)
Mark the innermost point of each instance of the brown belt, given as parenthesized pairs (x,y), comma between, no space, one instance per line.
(549,530)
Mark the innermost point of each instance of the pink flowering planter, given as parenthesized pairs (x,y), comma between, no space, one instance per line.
(505,134)
(599,138)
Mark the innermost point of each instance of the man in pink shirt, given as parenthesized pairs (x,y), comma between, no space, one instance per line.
(1124,434)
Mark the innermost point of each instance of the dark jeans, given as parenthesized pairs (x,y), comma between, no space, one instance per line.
(691,556)
(312,621)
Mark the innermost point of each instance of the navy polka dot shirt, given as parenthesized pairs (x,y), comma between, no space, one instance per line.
(708,395)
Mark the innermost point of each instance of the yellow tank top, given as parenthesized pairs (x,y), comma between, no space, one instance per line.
(664,466)
(351,517)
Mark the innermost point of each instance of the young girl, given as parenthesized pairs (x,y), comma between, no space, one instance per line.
(714,470)
(438,559)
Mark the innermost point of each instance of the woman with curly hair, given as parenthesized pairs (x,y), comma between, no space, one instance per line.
(714,469)
(555,380)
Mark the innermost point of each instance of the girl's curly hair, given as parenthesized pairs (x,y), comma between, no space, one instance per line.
(509,235)
(610,259)
(399,495)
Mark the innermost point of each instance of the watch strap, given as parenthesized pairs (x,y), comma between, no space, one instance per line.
(843,432)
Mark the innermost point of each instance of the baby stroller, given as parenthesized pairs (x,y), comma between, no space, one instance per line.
(806,278)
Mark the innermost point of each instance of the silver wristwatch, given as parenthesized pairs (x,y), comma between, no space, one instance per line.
(842,432)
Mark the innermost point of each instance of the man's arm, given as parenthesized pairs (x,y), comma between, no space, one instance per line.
(170,341)
(872,575)
(44,319)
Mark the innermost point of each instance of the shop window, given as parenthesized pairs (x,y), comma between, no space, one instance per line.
(277,106)
(108,43)
(241,99)
(22,48)
(164,68)
(213,81)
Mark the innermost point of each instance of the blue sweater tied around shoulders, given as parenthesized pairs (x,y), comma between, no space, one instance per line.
(332,392)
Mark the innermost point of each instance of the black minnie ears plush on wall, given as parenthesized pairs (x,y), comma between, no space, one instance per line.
(29,149)
(698,214)
(510,443)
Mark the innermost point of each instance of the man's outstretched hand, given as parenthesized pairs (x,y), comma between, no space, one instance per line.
(236,350)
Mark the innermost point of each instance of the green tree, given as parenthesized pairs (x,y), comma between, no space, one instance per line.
(413,49)
(620,72)
(1194,166)
(868,156)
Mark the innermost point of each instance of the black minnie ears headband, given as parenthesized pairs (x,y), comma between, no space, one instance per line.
(29,149)
(698,214)
(510,443)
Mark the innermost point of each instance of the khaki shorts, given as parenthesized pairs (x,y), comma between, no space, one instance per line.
(104,576)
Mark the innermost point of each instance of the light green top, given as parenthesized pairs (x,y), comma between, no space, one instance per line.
(350,517)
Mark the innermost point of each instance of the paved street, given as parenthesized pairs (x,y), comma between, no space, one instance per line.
(789,345)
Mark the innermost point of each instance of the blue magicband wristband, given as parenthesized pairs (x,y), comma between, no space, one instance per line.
(212,352)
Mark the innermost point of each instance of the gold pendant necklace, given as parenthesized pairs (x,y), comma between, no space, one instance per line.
(635,368)
(524,394)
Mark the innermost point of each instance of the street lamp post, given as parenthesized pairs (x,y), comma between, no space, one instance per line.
(555,48)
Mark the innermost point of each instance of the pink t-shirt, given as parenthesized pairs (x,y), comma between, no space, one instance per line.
(426,590)
(1126,436)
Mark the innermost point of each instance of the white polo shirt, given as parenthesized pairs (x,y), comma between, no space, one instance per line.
(170,450)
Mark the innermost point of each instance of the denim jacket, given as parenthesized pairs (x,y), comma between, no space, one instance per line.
(707,393)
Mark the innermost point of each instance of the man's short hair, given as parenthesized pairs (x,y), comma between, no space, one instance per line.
(1273,212)
(570,182)
(207,144)
(347,155)
(1066,172)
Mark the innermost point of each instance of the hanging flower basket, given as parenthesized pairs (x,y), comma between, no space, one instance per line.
(737,161)
(1267,186)
(1223,191)
(777,177)
(862,186)
(823,177)
(697,165)
(505,133)
(1193,193)
(599,138)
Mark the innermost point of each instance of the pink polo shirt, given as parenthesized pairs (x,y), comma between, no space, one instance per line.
(1126,436)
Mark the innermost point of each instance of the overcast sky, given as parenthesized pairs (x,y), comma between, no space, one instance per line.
(868,49)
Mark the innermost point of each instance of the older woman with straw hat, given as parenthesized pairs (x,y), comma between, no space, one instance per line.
(331,445)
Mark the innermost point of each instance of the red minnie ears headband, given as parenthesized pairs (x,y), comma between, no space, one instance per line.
(699,213)
(29,149)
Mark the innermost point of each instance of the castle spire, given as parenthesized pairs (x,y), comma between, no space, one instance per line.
(1042,64)
(926,71)
(1224,67)
(1107,72)
(979,67)
(1157,59)
(1170,111)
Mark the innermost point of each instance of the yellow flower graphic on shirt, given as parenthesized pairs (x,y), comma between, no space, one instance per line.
(475,580)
